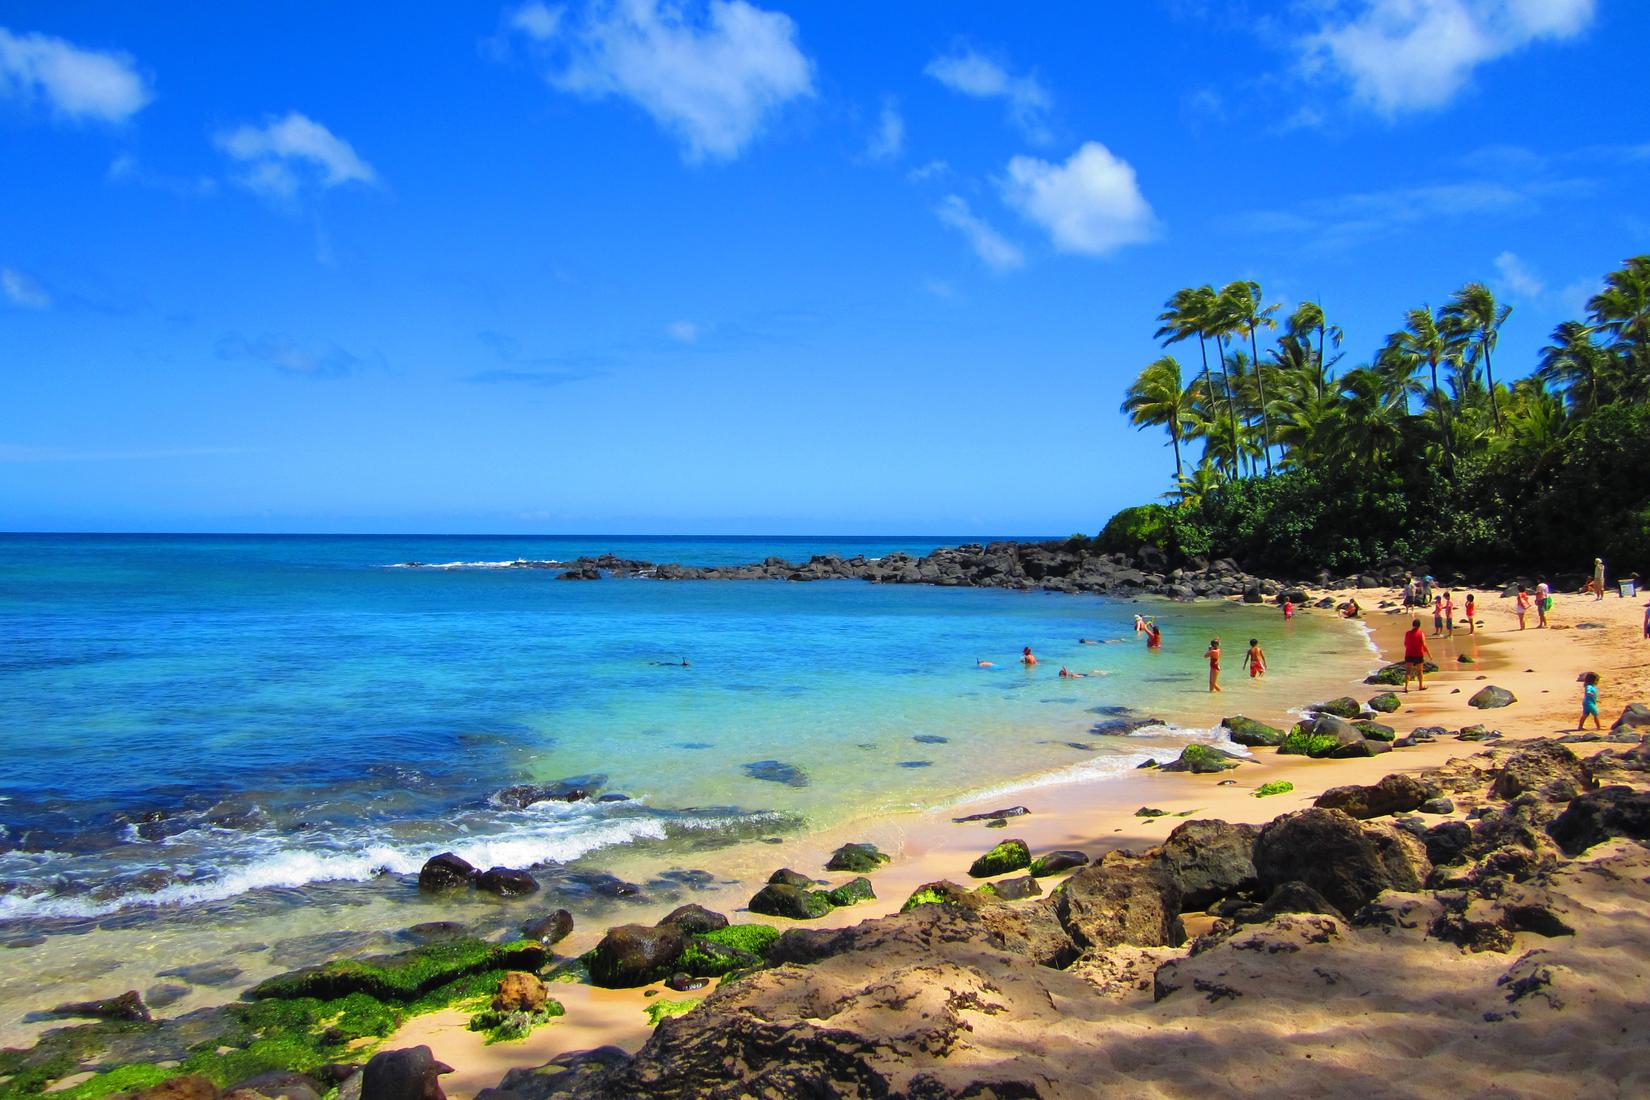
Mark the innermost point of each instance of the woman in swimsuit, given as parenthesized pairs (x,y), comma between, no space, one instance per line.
(1213,655)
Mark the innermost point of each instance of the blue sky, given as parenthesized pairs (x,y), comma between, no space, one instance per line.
(739,267)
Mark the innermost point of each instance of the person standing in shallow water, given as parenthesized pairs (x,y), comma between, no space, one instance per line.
(1213,654)
(1026,657)
(1415,656)
(1257,659)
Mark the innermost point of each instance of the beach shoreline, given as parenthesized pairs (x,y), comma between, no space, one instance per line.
(1098,816)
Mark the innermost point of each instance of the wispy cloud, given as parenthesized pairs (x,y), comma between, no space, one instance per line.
(1339,221)
(989,245)
(1400,56)
(1517,276)
(969,73)
(934,169)
(19,452)
(683,332)
(533,370)
(73,83)
(290,357)
(23,290)
(285,153)
(888,141)
(1091,204)
(548,377)
(712,75)
(126,168)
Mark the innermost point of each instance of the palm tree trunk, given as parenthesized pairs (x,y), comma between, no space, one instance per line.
(1260,388)
(1443,419)
(1489,372)
(1174,437)
(1231,405)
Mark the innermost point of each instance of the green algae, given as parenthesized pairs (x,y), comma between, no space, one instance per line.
(664,1009)
(927,895)
(120,1079)
(407,976)
(851,892)
(1277,786)
(508,1027)
(1010,855)
(753,939)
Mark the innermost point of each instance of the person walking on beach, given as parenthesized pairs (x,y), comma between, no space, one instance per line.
(1523,605)
(1213,654)
(1437,616)
(1257,659)
(1589,701)
(1543,603)
(1415,656)
(1598,578)
(1409,594)
(1472,621)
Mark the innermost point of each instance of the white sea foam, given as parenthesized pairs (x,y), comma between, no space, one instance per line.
(561,839)
(517,563)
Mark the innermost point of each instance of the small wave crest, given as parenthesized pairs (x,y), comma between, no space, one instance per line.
(517,563)
(273,862)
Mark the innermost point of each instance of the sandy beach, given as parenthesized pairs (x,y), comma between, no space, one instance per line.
(1540,667)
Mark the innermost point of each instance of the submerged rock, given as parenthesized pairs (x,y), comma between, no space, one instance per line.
(128,1006)
(506,882)
(445,872)
(551,929)
(775,771)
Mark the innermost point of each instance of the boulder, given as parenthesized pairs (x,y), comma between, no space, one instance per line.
(1320,737)
(1362,747)
(634,954)
(507,882)
(551,929)
(1209,860)
(408,1074)
(128,1006)
(1394,794)
(787,877)
(1202,760)
(1344,707)
(778,899)
(1599,815)
(1013,889)
(445,872)
(522,795)
(1549,771)
(1447,843)
(851,892)
(1375,731)
(1443,804)
(1296,897)
(694,920)
(1250,733)
(1635,718)
(1066,859)
(1385,703)
(1349,864)
(520,992)
(1010,855)
(1491,697)
(1121,899)
(857,858)
(191,1086)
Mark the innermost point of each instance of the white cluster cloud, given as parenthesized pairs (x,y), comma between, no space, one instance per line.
(74,83)
(991,246)
(1405,55)
(277,152)
(889,140)
(972,74)
(1517,276)
(1090,204)
(23,290)
(712,75)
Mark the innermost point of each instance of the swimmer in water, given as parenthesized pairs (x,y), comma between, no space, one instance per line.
(1154,636)
(1066,674)
(1026,657)
(1089,641)
(985,664)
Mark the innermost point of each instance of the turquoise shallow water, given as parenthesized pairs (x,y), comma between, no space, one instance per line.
(193,719)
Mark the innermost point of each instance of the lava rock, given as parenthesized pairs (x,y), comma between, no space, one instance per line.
(1385,703)
(408,1074)
(694,920)
(1394,794)
(1010,855)
(1209,860)
(858,858)
(1250,733)
(1347,863)
(128,1006)
(779,899)
(1121,900)
(1599,815)
(634,954)
(445,872)
(507,882)
(1014,889)
(787,877)
(551,929)
(1066,859)
(1492,697)
(993,815)
(1549,771)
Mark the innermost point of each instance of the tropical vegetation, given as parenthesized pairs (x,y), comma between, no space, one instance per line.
(1286,459)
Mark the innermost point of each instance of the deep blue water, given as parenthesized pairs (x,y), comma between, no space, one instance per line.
(187,718)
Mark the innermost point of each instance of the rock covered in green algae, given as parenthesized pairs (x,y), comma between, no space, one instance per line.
(858,858)
(405,976)
(780,899)
(1010,855)
(633,954)
(1250,733)
(851,892)
(1385,703)
(1201,760)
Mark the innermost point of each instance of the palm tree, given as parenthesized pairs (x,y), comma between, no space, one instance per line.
(1424,340)
(1193,487)
(1184,315)
(1474,314)
(1308,317)
(1158,399)
(1375,409)
(1241,306)
(1573,363)
(1622,309)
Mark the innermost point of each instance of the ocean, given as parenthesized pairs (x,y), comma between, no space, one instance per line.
(201,728)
